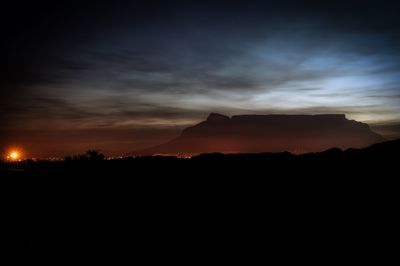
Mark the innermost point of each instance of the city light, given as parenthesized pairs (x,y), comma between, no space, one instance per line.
(14,155)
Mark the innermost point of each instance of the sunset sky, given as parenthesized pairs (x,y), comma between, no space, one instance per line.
(124,75)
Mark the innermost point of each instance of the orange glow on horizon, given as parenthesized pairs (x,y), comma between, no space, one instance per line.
(14,155)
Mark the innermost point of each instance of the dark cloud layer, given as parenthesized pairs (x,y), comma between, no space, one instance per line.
(86,65)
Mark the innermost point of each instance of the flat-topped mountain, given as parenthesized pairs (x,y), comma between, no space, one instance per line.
(269,133)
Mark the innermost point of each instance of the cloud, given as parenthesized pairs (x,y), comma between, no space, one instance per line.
(277,57)
(118,76)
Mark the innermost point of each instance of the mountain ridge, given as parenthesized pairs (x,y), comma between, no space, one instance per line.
(269,133)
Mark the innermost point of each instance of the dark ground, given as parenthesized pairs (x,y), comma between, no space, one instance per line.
(168,208)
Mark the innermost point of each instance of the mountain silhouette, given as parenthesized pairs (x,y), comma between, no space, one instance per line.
(269,133)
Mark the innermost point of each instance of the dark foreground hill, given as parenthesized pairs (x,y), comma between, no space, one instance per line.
(377,157)
(272,133)
(213,204)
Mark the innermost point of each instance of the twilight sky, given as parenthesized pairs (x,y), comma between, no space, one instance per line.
(123,75)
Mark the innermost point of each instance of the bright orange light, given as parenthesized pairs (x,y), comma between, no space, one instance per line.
(14,155)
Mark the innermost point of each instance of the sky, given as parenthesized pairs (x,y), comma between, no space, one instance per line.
(124,75)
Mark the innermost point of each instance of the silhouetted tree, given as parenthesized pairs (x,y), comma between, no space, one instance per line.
(94,155)
(90,155)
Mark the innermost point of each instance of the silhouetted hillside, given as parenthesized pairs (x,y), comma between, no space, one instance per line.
(164,203)
(269,133)
(376,156)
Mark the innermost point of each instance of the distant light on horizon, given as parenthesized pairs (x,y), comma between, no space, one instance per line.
(14,155)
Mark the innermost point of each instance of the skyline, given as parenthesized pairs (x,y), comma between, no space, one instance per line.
(134,74)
